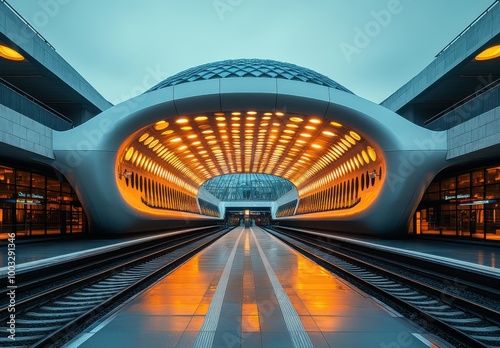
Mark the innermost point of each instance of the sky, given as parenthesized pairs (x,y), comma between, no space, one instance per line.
(123,47)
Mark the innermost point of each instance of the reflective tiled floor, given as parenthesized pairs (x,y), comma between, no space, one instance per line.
(182,309)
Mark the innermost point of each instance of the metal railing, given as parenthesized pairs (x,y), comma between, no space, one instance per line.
(485,99)
(468,27)
(19,101)
(27,24)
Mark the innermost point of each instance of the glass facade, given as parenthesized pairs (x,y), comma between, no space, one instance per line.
(34,204)
(248,187)
(465,205)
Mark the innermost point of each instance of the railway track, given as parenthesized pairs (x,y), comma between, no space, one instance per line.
(450,312)
(47,315)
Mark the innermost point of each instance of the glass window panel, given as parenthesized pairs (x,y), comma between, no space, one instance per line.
(478,178)
(493,191)
(248,187)
(38,181)
(6,175)
(433,196)
(23,178)
(478,193)
(53,185)
(492,175)
(7,195)
(66,187)
(464,180)
(448,206)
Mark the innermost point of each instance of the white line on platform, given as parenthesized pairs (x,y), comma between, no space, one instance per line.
(206,335)
(299,335)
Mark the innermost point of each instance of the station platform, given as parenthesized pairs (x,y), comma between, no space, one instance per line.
(248,289)
(43,252)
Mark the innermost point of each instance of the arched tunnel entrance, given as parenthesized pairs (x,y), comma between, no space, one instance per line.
(355,166)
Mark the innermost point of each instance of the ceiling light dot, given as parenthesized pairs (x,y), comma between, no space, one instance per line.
(161,125)
(129,153)
(355,135)
(143,137)
(336,124)
(200,118)
(182,120)
(148,140)
(371,153)
(296,119)
(365,156)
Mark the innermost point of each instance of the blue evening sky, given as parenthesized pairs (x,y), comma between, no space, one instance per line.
(123,47)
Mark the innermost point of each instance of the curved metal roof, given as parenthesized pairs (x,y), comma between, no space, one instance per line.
(249,68)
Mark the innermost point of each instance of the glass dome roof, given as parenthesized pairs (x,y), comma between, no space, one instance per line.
(248,187)
(249,68)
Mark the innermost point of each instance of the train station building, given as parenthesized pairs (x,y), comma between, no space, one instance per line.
(251,141)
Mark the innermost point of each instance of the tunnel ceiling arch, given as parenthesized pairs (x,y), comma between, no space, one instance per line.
(295,147)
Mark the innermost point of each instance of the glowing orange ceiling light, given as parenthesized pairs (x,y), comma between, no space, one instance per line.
(489,53)
(10,54)
(256,142)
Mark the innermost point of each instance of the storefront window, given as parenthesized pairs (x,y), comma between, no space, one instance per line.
(6,175)
(492,175)
(464,180)
(23,178)
(467,205)
(32,204)
(478,178)
(448,184)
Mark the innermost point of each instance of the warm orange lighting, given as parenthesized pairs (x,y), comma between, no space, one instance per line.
(10,54)
(355,135)
(365,156)
(371,153)
(296,147)
(489,53)
(129,154)
(161,125)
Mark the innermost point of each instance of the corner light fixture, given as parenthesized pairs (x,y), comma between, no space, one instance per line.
(489,53)
(10,54)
